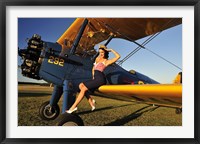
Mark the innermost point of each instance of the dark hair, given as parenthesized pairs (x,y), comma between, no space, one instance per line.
(106,53)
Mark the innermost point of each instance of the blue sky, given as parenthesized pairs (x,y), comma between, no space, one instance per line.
(168,44)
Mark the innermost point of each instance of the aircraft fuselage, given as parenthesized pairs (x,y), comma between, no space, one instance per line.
(49,64)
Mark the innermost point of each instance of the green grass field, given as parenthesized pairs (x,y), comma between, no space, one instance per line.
(108,112)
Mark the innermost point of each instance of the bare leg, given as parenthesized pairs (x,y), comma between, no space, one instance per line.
(90,99)
(83,89)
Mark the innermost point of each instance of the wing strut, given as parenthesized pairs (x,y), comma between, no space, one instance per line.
(107,42)
(143,46)
(78,38)
(109,39)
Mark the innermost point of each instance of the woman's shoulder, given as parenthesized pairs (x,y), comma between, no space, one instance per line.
(97,59)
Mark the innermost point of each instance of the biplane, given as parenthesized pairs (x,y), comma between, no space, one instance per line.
(69,61)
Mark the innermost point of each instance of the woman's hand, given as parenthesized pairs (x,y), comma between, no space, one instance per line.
(109,50)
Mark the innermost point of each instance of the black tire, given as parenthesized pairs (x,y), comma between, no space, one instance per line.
(46,112)
(70,120)
(178,110)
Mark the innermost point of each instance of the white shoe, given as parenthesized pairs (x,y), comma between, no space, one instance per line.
(71,111)
(93,107)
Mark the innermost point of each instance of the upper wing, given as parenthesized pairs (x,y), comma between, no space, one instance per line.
(99,29)
(163,94)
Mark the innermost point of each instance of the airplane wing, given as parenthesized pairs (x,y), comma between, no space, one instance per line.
(99,29)
(161,94)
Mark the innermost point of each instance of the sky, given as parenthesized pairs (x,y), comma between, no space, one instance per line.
(168,44)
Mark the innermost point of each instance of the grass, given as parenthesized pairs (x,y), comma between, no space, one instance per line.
(108,112)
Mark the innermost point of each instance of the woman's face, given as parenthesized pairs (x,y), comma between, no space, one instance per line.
(101,53)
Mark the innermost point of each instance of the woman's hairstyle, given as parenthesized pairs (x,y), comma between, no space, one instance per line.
(106,53)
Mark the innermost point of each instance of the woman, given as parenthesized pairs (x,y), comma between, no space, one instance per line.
(98,80)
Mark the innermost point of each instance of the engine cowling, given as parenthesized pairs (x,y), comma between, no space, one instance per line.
(32,57)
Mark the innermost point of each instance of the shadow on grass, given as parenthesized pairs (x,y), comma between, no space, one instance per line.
(105,108)
(33,94)
(132,116)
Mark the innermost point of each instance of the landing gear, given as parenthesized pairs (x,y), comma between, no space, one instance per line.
(70,120)
(178,110)
(47,112)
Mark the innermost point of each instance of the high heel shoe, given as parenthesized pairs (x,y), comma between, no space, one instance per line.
(93,107)
(71,111)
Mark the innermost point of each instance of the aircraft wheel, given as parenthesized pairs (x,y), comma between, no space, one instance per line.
(70,120)
(47,112)
(178,110)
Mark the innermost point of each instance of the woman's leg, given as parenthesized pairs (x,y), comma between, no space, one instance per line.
(83,89)
(90,99)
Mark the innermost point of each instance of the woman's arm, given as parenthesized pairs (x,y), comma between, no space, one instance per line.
(111,61)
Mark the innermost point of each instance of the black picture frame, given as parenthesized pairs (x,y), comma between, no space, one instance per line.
(5,3)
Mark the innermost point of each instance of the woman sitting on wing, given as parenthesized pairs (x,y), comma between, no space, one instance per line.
(99,79)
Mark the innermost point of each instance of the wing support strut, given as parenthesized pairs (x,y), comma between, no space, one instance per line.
(109,39)
(78,38)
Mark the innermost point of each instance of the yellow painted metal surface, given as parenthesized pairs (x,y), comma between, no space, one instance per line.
(163,94)
(99,29)
(71,32)
(161,90)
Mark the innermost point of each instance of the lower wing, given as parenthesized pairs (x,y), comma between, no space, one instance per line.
(159,94)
